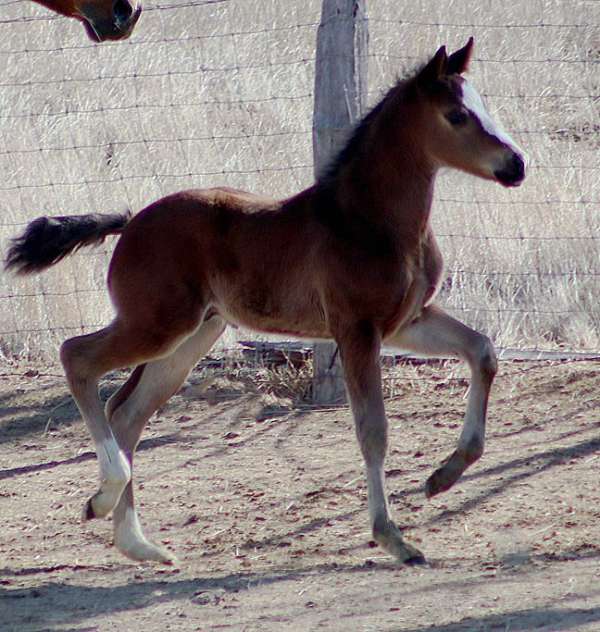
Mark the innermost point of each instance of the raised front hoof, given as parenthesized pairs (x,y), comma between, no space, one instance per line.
(446,475)
(391,541)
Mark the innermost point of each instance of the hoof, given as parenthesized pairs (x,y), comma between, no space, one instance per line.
(410,555)
(88,511)
(130,540)
(446,475)
(146,551)
(437,483)
(416,559)
(390,539)
(102,502)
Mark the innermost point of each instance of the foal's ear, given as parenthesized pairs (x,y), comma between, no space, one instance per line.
(435,68)
(458,62)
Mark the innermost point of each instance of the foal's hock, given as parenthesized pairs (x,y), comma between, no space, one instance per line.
(351,258)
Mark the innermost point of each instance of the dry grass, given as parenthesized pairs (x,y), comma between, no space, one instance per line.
(222,94)
(289,382)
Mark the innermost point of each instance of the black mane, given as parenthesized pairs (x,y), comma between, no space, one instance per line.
(356,140)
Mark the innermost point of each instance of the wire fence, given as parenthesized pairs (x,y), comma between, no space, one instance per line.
(522,265)
(207,93)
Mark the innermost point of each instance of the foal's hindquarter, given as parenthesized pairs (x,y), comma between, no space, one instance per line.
(352,258)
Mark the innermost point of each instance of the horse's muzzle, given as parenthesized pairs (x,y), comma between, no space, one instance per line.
(118,25)
(512,172)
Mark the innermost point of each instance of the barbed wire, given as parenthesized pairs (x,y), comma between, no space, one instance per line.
(157,106)
(149,8)
(144,176)
(250,99)
(165,39)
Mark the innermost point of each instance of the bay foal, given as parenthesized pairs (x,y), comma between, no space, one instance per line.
(102,19)
(351,258)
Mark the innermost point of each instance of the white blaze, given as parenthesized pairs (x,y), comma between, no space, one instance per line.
(473,102)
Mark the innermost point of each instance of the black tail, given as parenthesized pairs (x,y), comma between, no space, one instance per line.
(48,240)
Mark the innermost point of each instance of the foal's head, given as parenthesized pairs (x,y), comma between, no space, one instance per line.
(455,128)
(102,19)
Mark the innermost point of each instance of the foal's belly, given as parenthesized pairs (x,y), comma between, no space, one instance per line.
(288,301)
(293,325)
(293,313)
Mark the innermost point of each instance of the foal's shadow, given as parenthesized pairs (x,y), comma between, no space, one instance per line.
(73,604)
(560,619)
(56,604)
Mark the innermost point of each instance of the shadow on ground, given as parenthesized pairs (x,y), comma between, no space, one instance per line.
(59,604)
(72,604)
(546,619)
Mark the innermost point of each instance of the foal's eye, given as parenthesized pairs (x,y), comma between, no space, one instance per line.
(457,117)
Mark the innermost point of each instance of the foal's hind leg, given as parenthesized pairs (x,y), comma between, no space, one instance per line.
(437,333)
(78,356)
(85,359)
(359,348)
(128,410)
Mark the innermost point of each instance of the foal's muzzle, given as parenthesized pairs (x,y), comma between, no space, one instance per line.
(512,172)
(118,24)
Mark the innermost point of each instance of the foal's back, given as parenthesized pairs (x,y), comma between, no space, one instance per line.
(252,257)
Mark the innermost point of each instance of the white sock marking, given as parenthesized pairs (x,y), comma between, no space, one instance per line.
(128,533)
(114,466)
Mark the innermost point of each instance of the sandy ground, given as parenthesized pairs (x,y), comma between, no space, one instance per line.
(265,507)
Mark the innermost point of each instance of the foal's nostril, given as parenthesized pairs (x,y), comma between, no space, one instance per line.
(122,10)
(518,167)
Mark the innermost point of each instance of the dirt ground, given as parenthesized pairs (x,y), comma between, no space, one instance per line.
(264,504)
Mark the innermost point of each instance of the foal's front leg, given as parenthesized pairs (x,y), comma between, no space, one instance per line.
(436,333)
(359,349)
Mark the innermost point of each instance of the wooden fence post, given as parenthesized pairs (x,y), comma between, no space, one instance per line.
(340,99)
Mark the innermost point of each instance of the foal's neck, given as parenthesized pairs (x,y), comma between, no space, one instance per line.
(388,182)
